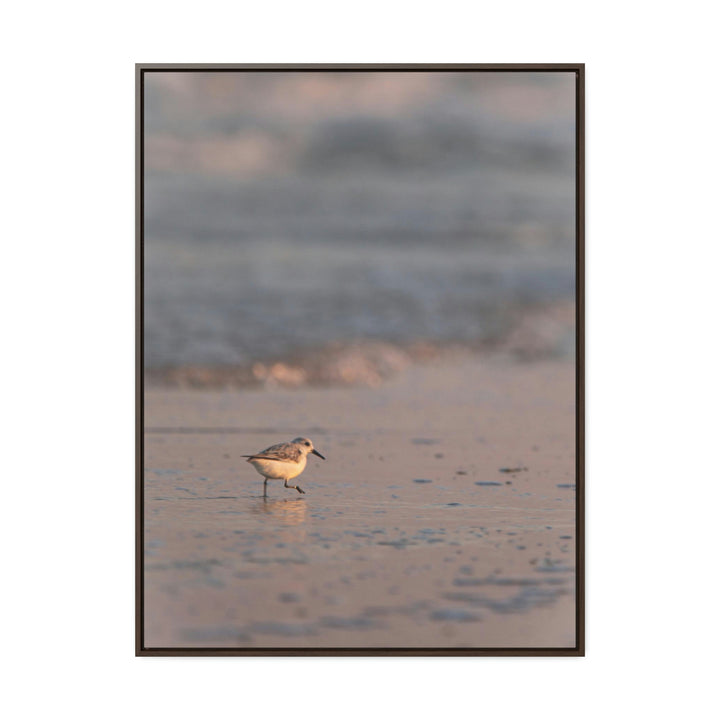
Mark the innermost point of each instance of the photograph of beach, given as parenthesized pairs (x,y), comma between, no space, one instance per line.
(360,367)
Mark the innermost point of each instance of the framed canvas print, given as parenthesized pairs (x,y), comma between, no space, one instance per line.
(360,359)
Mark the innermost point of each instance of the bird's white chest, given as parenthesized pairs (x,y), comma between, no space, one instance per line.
(279,470)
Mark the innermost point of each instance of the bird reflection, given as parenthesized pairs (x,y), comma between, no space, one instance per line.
(286,511)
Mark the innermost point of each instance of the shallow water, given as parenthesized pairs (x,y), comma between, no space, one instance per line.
(368,557)
(347,558)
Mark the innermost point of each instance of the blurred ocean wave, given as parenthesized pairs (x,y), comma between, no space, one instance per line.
(285,214)
(528,334)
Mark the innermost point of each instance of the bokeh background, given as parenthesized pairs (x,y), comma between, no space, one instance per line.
(288,213)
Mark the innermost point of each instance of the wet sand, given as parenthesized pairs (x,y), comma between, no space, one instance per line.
(444,515)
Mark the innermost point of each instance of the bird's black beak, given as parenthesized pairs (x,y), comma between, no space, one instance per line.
(315,452)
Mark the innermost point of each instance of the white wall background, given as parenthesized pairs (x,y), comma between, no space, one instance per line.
(67,364)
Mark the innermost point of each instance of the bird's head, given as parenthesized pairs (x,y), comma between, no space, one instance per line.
(306,446)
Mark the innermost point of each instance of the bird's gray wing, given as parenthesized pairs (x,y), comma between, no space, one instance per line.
(281,451)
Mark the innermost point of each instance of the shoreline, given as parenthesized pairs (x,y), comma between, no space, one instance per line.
(443,517)
(536,334)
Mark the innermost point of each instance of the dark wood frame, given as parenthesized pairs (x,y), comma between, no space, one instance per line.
(579,70)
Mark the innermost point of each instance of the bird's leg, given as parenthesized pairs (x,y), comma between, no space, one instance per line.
(265,488)
(295,487)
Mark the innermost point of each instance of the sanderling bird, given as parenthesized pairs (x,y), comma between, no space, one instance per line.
(283,461)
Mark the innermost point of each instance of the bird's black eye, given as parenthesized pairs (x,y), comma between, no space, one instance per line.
(308,444)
